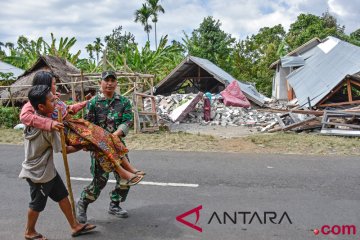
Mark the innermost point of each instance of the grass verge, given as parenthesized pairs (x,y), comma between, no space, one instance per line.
(284,143)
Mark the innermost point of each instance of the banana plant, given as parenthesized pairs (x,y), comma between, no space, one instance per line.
(159,62)
(63,49)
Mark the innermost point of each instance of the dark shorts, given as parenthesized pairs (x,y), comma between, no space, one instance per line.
(39,192)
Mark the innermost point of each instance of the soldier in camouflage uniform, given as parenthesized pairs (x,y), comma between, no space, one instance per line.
(113,113)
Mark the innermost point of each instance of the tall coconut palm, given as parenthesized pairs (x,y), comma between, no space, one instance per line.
(9,45)
(142,15)
(90,48)
(98,48)
(155,9)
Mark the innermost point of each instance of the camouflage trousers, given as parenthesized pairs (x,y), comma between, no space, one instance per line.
(100,178)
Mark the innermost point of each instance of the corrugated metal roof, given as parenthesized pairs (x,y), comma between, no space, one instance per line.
(291,61)
(224,77)
(8,68)
(218,73)
(325,66)
(299,50)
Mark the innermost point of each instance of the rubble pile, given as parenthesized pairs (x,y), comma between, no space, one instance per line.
(220,114)
(275,116)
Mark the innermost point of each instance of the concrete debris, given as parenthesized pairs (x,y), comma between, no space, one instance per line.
(220,114)
(275,116)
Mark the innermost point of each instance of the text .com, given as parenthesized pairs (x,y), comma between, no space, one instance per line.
(336,230)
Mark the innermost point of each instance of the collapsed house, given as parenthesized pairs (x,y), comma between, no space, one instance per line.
(58,66)
(196,74)
(319,74)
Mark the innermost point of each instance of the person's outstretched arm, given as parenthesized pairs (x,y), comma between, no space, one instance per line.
(29,118)
(74,108)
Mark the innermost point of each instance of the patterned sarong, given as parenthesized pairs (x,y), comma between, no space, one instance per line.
(108,148)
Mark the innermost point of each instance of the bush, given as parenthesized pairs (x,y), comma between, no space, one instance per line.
(8,117)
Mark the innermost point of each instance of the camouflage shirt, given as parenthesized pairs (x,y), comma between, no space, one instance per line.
(110,114)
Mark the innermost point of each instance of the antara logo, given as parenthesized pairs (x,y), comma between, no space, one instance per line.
(196,210)
(267,217)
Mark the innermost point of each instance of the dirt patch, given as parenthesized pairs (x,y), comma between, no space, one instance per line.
(11,136)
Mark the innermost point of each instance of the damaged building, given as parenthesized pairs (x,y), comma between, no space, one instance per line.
(196,74)
(319,74)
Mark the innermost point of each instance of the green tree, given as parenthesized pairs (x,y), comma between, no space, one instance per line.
(28,51)
(118,42)
(142,15)
(144,60)
(90,50)
(354,37)
(88,65)
(63,50)
(97,47)
(2,52)
(283,49)
(3,46)
(210,42)
(253,56)
(308,26)
(9,45)
(155,8)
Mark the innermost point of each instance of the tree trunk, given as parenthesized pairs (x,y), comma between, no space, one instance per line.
(155,37)
(147,31)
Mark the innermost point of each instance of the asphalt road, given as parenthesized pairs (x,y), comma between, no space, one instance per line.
(312,191)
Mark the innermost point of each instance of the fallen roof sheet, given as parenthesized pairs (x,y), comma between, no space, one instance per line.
(299,50)
(290,61)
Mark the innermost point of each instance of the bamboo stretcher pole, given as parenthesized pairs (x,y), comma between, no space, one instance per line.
(82,93)
(66,165)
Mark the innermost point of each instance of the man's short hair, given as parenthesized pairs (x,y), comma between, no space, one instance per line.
(107,74)
(37,95)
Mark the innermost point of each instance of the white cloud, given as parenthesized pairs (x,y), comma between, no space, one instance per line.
(88,19)
(336,8)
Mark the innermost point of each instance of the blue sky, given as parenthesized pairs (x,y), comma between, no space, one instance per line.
(88,19)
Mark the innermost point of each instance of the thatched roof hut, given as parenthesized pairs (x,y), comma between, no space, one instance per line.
(58,66)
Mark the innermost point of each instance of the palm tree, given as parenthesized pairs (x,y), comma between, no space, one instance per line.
(90,48)
(97,48)
(155,9)
(9,45)
(142,15)
(2,52)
